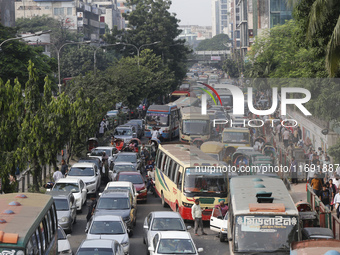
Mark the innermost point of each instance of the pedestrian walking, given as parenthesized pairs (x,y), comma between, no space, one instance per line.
(336,203)
(324,196)
(57,175)
(316,184)
(293,170)
(102,128)
(196,213)
(285,137)
(64,167)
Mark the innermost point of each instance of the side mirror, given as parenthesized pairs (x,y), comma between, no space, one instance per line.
(188,227)
(100,194)
(200,250)
(150,249)
(145,226)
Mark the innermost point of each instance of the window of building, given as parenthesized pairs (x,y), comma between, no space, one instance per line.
(69,10)
(58,11)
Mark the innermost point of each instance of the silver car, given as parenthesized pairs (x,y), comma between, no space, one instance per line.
(103,246)
(161,221)
(109,227)
(126,133)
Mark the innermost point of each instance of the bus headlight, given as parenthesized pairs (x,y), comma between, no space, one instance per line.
(187,204)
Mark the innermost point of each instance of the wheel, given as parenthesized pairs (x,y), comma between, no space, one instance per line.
(163,201)
(131,233)
(134,222)
(144,241)
(222,237)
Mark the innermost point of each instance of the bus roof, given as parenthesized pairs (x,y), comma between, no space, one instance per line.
(243,190)
(238,129)
(161,108)
(212,147)
(193,113)
(184,101)
(25,214)
(189,155)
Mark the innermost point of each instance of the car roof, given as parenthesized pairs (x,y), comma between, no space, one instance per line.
(89,159)
(174,235)
(124,163)
(103,148)
(129,173)
(115,193)
(119,184)
(107,217)
(68,180)
(97,243)
(163,214)
(127,153)
(84,164)
(59,193)
(124,126)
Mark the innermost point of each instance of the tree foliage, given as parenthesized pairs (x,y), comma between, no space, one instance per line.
(218,42)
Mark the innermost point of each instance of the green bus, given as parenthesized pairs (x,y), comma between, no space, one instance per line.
(28,224)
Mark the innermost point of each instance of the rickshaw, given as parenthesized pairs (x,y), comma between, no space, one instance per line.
(229,151)
(214,149)
(119,144)
(137,143)
(308,217)
(92,143)
(269,150)
(239,158)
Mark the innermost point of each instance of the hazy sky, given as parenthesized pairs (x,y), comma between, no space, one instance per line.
(192,12)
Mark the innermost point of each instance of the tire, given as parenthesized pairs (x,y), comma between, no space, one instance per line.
(144,241)
(222,237)
(75,220)
(131,233)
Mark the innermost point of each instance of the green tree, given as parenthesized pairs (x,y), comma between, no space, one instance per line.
(232,68)
(14,56)
(218,42)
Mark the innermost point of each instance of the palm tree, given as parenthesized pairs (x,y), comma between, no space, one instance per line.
(320,12)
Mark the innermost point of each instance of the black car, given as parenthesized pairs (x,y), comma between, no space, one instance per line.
(118,202)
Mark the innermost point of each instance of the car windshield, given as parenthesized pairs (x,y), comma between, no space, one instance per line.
(126,158)
(61,234)
(71,187)
(235,137)
(94,161)
(61,204)
(167,224)
(123,132)
(196,127)
(95,251)
(176,246)
(205,183)
(107,228)
(118,188)
(81,171)
(227,100)
(259,233)
(159,119)
(109,203)
(135,179)
(119,168)
(99,152)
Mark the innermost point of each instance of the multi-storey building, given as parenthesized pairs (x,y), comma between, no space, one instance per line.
(194,34)
(110,14)
(220,17)
(76,15)
(7,13)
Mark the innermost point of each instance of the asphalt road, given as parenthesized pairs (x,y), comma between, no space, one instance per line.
(210,243)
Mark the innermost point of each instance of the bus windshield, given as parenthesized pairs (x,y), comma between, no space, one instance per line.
(195,127)
(159,119)
(235,137)
(261,233)
(205,183)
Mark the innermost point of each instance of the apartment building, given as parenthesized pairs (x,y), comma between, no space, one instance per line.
(220,17)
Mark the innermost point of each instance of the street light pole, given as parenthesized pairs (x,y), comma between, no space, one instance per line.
(95,55)
(138,49)
(58,58)
(19,38)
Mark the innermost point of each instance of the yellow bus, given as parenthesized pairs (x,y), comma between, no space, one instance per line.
(28,224)
(185,173)
(262,216)
(236,137)
(193,125)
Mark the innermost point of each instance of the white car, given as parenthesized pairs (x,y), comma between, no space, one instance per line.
(88,173)
(173,242)
(98,153)
(109,227)
(64,246)
(74,185)
(102,246)
(122,185)
(218,223)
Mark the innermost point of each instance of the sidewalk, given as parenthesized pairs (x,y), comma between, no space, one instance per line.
(298,192)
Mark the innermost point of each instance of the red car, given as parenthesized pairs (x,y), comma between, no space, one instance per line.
(138,181)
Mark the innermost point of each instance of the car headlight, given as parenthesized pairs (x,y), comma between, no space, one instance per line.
(143,190)
(187,204)
(224,229)
(66,252)
(125,244)
(89,183)
(64,219)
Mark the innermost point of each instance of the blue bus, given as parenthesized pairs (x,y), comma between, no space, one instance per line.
(165,118)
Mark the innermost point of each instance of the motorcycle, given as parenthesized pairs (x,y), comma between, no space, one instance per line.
(152,186)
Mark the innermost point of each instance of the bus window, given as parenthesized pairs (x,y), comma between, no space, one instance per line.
(43,235)
(167,164)
(175,174)
(163,162)
(179,183)
(39,240)
(48,230)
(159,159)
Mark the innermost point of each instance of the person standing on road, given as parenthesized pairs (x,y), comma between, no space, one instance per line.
(336,202)
(57,175)
(293,170)
(64,167)
(154,133)
(196,213)
(285,137)
(333,192)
